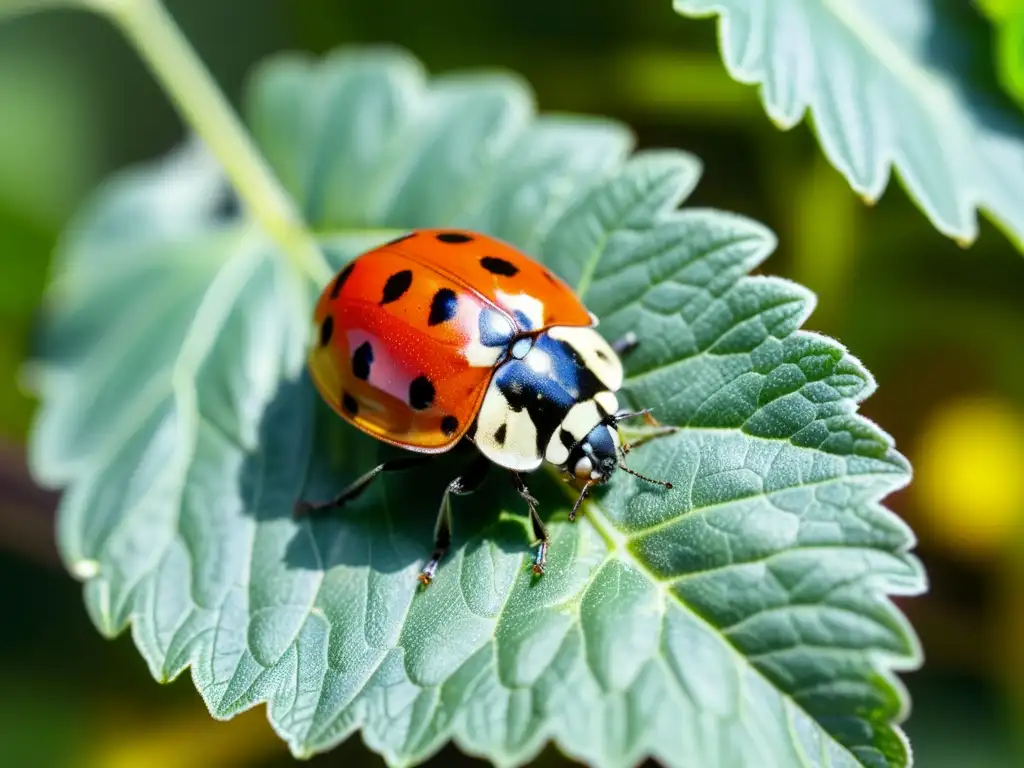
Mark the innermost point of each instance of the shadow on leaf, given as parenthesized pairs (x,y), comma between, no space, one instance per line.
(308,452)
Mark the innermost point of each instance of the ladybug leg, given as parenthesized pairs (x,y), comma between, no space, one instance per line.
(465,483)
(304,508)
(540,533)
(626,344)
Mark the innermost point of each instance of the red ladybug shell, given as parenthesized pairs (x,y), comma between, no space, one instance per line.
(409,333)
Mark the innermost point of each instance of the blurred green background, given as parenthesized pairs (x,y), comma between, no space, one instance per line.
(941,328)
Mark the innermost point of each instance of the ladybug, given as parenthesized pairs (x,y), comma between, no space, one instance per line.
(441,336)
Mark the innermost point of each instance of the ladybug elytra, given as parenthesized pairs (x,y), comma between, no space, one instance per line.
(441,336)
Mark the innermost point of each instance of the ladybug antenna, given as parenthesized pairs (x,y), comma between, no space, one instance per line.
(663,483)
(623,415)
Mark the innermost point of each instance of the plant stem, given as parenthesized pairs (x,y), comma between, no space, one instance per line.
(173,61)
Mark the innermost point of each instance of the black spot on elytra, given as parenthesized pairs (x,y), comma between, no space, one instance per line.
(453,237)
(397,240)
(500,433)
(449,424)
(339,281)
(601,354)
(350,404)
(396,286)
(565,436)
(326,330)
(361,361)
(421,393)
(442,306)
(497,266)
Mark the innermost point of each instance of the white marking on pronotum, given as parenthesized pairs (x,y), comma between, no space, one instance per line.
(581,418)
(556,453)
(519,450)
(608,401)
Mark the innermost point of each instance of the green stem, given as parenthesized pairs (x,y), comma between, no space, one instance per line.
(175,64)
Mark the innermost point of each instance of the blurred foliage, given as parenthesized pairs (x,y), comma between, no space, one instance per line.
(938,327)
(1008,18)
(50,156)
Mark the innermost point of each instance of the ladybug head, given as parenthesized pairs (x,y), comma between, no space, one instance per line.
(595,458)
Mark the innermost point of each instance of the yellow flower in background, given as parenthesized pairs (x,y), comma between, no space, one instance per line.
(187,738)
(969,475)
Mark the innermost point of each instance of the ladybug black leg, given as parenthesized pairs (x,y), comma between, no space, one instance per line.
(303,508)
(465,483)
(626,344)
(540,533)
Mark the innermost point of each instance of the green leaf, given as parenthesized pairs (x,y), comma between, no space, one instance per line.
(1008,18)
(889,86)
(740,618)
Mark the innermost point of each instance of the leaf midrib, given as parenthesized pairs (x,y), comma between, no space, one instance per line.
(915,79)
(606,529)
(933,95)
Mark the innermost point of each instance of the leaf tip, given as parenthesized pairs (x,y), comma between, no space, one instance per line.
(83,570)
(303,752)
(779,119)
